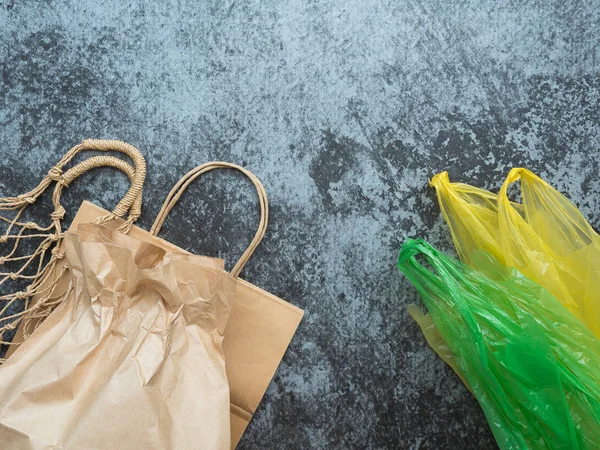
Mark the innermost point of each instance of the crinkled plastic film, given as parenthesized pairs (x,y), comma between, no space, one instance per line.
(546,237)
(531,364)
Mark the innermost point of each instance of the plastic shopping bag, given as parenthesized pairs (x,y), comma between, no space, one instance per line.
(531,364)
(546,237)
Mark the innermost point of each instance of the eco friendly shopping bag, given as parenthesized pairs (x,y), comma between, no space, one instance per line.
(260,325)
(545,237)
(530,363)
(132,356)
(38,270)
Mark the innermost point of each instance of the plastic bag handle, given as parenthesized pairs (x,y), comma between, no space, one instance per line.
(444,279)
(515,174)
(185,181)
(507,207)
(412,248)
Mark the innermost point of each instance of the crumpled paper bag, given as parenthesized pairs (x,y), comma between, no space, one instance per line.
(132,358)
(257,335)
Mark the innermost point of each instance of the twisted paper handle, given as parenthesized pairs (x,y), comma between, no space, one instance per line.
(186,180)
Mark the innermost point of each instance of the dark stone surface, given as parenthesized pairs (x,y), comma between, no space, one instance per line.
(343,108)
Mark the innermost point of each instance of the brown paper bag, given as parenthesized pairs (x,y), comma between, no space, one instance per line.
(132,357)
(260,325)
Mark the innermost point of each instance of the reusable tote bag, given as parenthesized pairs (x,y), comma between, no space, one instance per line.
(260,325)
(545,237)
(130,359)
(41,269)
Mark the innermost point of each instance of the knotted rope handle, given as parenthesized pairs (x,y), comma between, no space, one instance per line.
(185,181)
(85,166)
(127,203)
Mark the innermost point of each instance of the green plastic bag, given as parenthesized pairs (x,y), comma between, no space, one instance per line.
(533,367)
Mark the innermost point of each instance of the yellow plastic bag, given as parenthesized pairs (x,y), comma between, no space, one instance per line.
(546,237)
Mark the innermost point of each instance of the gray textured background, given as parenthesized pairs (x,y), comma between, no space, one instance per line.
(343,108)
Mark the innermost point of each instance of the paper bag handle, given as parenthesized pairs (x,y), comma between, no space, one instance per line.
(185,181)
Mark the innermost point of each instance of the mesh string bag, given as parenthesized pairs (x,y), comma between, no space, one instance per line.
(30,252)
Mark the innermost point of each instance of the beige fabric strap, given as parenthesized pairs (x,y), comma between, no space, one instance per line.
(185,181)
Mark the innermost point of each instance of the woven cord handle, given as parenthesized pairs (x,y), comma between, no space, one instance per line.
(185,181)
(132,201)
(85,166)
(56,173)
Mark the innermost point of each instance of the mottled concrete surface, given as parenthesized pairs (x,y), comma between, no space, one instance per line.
(343,108)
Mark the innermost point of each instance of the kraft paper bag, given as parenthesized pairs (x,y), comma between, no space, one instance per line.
(131,358)
(260,326)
